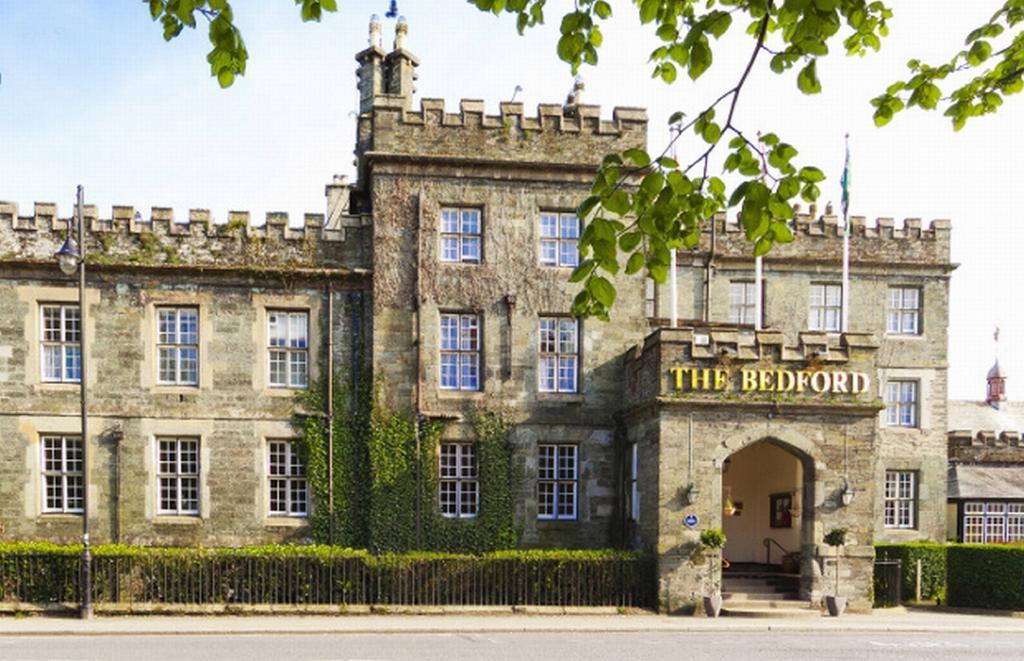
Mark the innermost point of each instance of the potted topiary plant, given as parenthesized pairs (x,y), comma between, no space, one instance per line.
(712,539)
(836,604)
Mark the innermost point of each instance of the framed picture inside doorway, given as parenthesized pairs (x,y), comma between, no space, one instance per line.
(780,506)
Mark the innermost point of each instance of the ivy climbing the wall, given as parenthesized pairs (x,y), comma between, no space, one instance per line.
(377,470)
(494,527)
(349,525)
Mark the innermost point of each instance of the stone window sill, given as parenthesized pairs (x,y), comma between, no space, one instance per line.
(444,393)
(561,397)
(60,517)
(905,336)
(286,521)
(176,520)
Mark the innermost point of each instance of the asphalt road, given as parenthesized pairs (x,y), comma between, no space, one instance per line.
(745,646)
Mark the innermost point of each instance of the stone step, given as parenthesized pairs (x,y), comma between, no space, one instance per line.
(755,582)
(755,610)
(728,596)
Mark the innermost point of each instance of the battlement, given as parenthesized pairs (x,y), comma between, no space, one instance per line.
(727,355)
(571,134)
(549,117)
(126,236)
(820,238)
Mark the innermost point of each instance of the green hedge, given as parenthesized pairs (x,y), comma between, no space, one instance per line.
(317,575)
(986,576)
(933,567)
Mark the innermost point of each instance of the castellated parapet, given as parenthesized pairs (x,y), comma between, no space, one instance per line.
(648,365)
(127,238)
(820,239)
(563,135)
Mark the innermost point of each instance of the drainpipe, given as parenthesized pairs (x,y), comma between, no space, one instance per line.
(709,269)
(419,363)
(330,412)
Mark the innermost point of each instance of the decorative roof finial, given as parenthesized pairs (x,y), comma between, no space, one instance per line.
(375,41)
(401,30)
(995,379)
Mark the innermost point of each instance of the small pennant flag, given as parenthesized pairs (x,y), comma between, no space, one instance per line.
(845,182)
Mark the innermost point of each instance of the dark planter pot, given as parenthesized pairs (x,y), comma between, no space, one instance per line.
(836,605)
(713,605)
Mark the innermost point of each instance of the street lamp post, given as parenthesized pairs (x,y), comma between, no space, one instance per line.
(71,258)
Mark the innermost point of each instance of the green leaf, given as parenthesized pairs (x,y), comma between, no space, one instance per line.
(602,9)
(762,247)
(807,80)
(587,205)
(156,7)
(630,240)
(602,290)
(668,72)
(635,263)
(649,10)
(639,157)
(225,77)
(652,183)
(582,271)
(700,59)
(812,174)
(618,203)
(711,133)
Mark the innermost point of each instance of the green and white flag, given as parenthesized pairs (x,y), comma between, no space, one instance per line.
(845,183)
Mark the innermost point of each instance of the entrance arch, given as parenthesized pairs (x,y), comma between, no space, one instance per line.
(767,503)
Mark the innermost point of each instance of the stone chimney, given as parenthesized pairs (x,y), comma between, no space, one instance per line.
(995,392)
(400,67)
(371,69)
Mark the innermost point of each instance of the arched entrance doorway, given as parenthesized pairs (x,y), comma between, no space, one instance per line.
(767,506)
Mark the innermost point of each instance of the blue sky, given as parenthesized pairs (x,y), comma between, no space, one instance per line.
(91,94)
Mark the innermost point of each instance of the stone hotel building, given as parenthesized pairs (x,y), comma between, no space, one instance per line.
(447,260)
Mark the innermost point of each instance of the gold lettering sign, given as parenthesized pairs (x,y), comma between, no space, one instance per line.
(819,382)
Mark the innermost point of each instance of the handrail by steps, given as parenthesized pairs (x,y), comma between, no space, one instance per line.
(768,541)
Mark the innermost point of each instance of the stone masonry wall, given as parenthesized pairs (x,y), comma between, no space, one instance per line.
(232,411)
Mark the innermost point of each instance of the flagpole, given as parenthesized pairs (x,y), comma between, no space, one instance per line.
(846,239)
(758,292)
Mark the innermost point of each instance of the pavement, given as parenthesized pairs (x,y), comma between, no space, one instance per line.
(886,620)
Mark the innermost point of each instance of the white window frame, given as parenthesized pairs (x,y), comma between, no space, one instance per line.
(287,480)
(559,239)
(742,302)
(178,475)
(902,403)
(825,307)
(67,343)
(461,235)
(558,354)
(650,298)
(460,365)
(900,499)
(458,484)
(177,344)
(903,316)
(63,473)
(557,481)
(288,350)
(992,522)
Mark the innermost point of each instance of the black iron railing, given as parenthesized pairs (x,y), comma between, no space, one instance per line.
(199,578)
